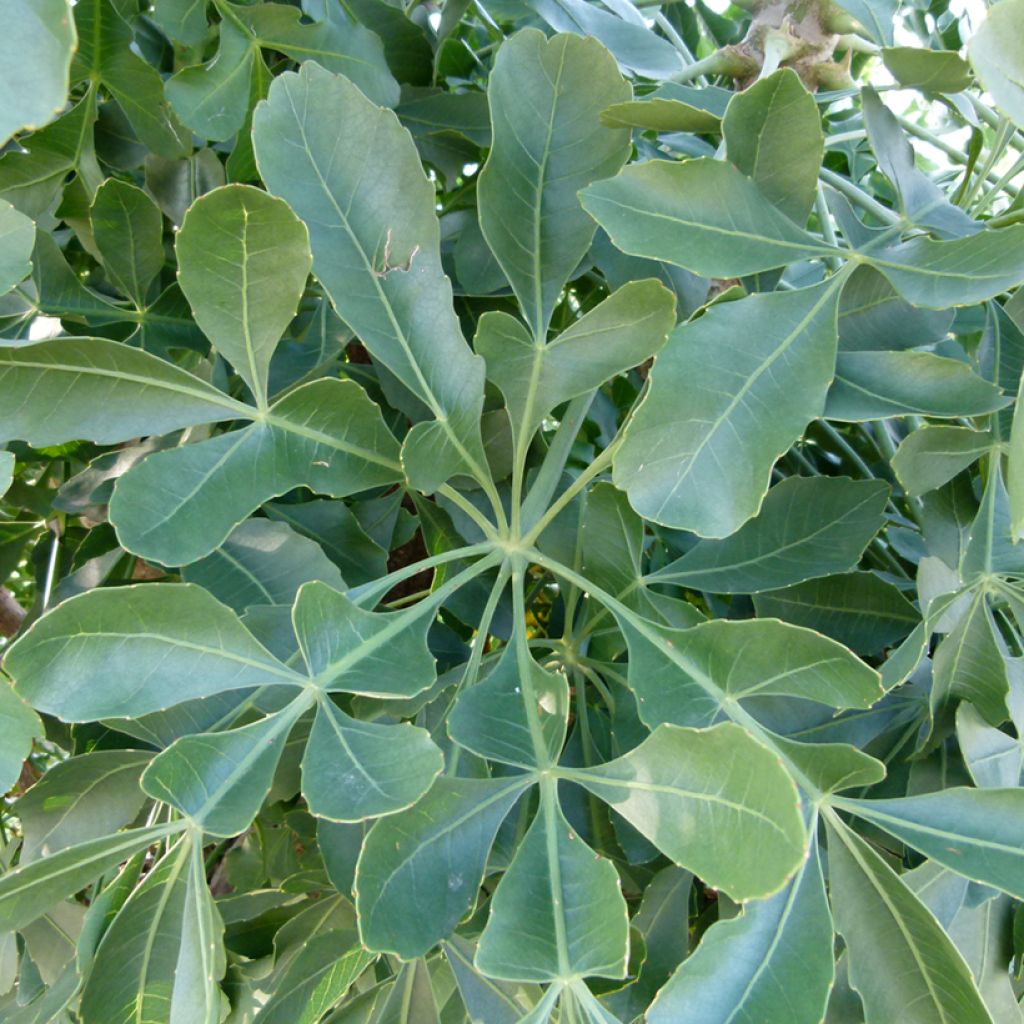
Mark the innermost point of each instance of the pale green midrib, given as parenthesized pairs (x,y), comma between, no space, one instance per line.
(212,396)
(286,718)
(863,810)
(549,804)
(810,247)
(402,621)
(179,642)
(368,454)
(255,380)
(591,779)
(539,328)
(776,936)
(82,794)
(224,553)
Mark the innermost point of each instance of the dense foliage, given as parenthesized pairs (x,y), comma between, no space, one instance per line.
(510,512)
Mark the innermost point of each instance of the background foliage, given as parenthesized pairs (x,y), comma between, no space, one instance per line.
(510,512)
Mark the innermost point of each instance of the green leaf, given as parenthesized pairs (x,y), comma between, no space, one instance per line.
(901,962)
(807,527)
(102,391)
(858,609)
(346,648)
(29,890)
(877,385)
(970,663)
(773,135)
(38,42)
(755,373)
(876,16)
(920,199)
(105,53)
(545,98)
(177,506)
(19,725)
(873,317)
(927,70)
(355,770)
(411,999)
(33,174)
(333,41)
(933,455)
(621,332)
(375,242)
(486,999)
(132,650)
(772,963)
(978,833)
(830,767)
(1015,468)
(703,215)
(213,99)
(182,20)
(262,562)
(558,912)
(445,838)
(995,51)
(713,800)
(741,659)
(83,798)
(128,230)
(940,275)
(316,980)
(17,239)
(162,957)
(219,780)
(672,108)
(516,710)
(243,259)
(339,535)
(7,464)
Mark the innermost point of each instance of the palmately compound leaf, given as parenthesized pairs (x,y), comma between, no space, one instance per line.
(545,98)
(714,800)
(753,374)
